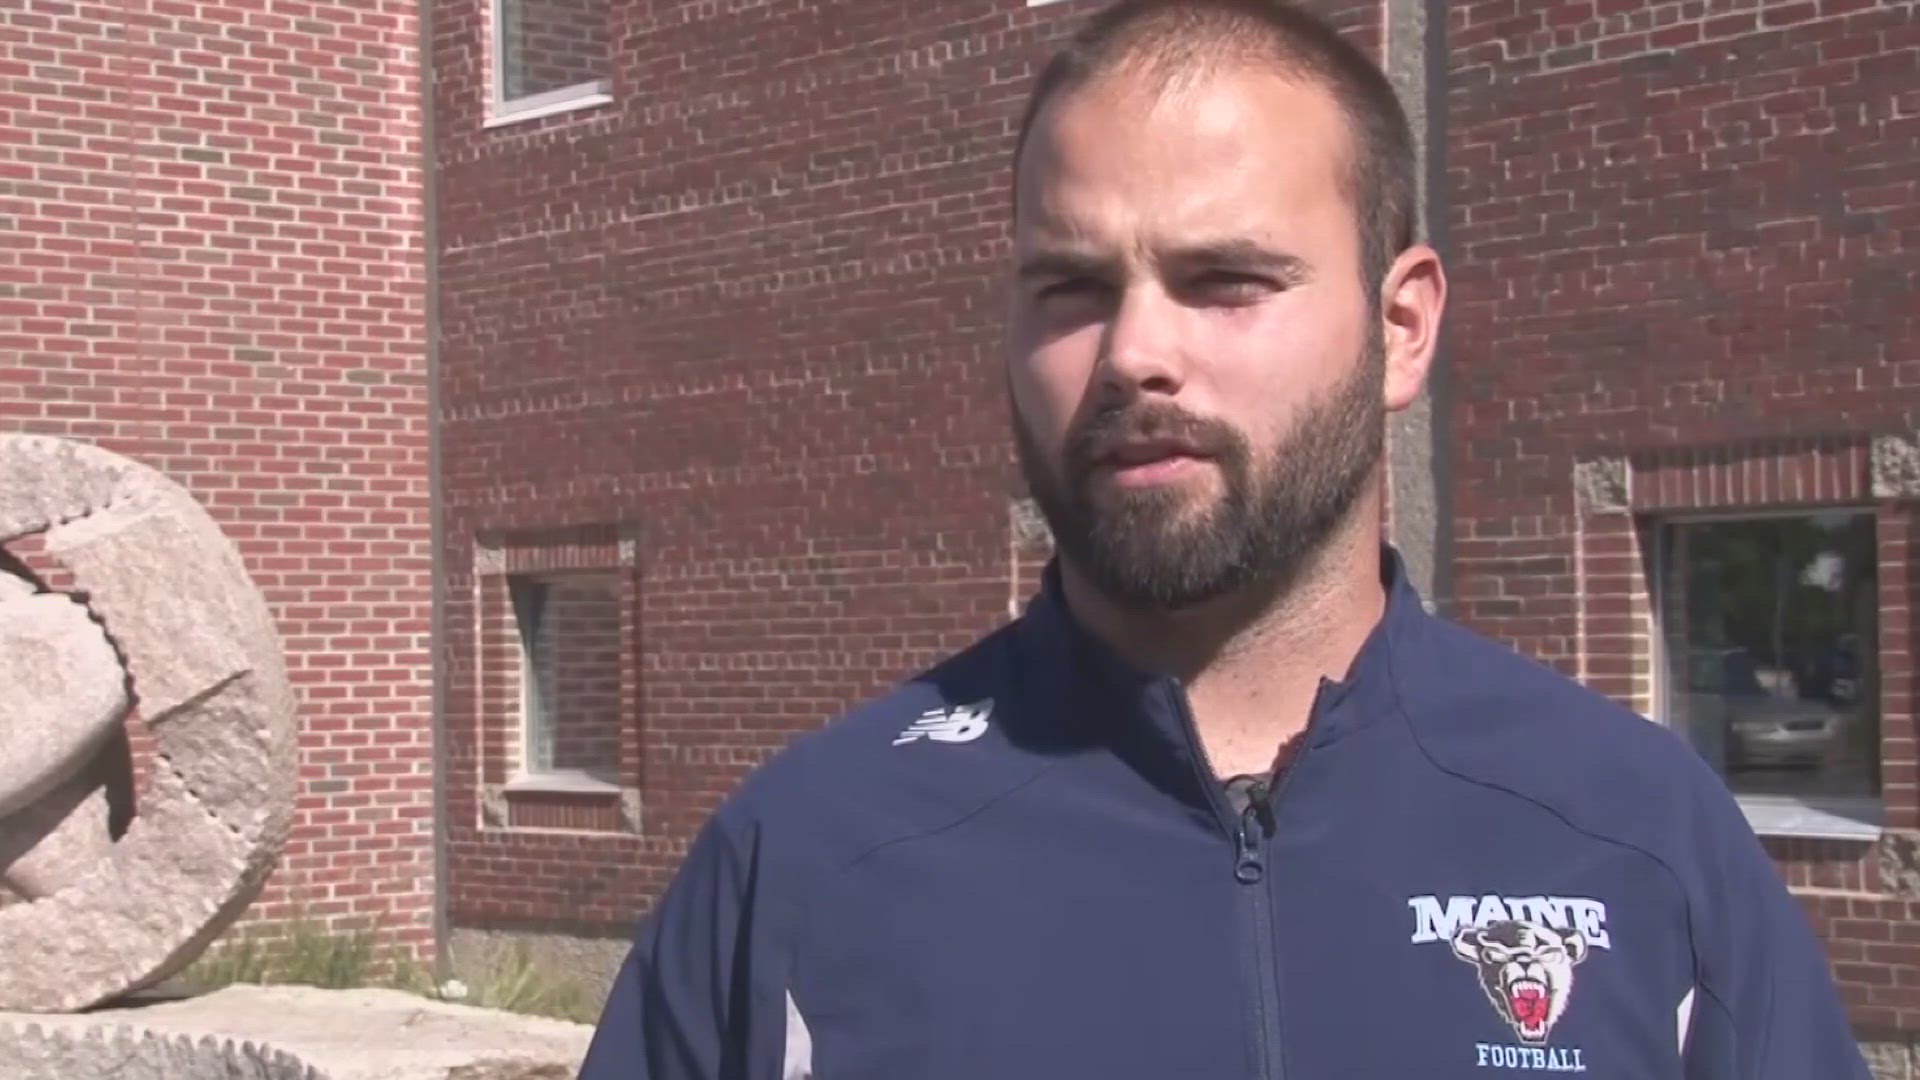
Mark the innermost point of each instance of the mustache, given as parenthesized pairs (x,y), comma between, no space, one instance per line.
(1109,429)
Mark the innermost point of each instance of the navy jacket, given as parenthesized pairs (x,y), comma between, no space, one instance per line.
(1017,866)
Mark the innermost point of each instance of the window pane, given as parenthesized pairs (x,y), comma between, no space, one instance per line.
(1771,653)
(570,631)
(548,45)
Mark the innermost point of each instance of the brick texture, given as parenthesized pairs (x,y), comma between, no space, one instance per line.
(1683,231)
(750,313)
(212,260)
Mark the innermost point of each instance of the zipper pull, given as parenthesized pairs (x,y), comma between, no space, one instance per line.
(1249,868)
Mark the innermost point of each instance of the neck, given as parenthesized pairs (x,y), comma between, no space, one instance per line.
(1252,662)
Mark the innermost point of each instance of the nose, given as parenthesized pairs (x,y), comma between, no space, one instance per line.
(1142,352)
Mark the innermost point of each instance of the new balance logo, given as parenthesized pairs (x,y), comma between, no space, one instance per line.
(962,723)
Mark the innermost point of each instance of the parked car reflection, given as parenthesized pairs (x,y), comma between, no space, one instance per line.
(1760,713)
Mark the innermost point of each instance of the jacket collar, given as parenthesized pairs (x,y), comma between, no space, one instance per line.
(1144,716)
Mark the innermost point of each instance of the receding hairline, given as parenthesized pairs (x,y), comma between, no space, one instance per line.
(1177,47)
(1157,79)
(1169,56)
(1176,43)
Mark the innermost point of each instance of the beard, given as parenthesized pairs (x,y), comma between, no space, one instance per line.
(1159,548)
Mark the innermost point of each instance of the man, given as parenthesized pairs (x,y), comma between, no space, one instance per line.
(1225,802)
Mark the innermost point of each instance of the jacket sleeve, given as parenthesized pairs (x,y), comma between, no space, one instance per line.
(681,1006)
(1765,1006)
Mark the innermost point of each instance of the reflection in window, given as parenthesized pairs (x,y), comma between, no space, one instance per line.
(1769,626)
(549,47)
(569,628)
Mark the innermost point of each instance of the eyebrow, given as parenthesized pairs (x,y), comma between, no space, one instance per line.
(1061,263)
(1243,254)
(1239,253)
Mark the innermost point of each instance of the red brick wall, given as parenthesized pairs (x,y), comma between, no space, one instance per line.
(211,259)
(749,313)
(1679,236)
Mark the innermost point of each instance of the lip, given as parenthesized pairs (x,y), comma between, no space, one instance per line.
(1152,463)
(1149,452)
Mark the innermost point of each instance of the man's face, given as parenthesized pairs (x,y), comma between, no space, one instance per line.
(1196,370)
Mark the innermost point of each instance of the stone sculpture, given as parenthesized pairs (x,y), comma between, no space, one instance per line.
(293,1033)
(163,619)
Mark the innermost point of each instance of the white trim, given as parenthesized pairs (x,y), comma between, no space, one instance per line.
(496,57)
(530,706)
(562,782)
(1660,685)
(1041,3)
(1684,1014)
(587,95)
(1832,818)
(799,1055)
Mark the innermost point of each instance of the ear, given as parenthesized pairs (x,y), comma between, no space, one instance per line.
(1466,944)
(1576,945)
(1413,297)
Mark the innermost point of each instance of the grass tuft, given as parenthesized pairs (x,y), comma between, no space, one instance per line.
(304,952)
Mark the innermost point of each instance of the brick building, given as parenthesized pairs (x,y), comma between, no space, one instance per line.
(760,264)
(212,259)
(698,302)
(1683,403)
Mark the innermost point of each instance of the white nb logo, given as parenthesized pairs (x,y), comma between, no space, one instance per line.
(962,723)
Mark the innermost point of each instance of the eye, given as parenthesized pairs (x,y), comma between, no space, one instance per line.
(1071,288)
(1229,286)
(1494,954)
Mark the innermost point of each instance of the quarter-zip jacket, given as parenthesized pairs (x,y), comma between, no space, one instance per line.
(1018,866)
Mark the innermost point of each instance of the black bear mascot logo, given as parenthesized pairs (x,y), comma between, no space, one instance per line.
(1526,970)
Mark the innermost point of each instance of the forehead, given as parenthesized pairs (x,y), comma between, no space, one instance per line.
(1241,151)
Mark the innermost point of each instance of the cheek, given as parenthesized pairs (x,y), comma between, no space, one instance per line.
(1286,354)
(1302,342)
(1260,366)
(1049,380)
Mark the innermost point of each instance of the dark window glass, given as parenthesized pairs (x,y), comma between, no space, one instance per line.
(1771,671)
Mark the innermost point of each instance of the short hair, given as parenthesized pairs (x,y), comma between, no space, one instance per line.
(1175,39)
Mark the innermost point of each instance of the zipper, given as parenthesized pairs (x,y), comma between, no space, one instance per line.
(1250,829)
(1256,904)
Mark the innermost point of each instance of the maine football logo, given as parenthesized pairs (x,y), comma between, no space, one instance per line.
(1526,970)
(1523,950)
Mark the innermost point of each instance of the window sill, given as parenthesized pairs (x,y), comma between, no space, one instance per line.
(569,782)
(1834,818)
(566,99)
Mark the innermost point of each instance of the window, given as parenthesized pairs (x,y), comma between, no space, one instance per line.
(570,651)
(556,716)
(1769,628)
(548,56)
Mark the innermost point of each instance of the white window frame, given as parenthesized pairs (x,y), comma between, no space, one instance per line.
(502,110)
(1815,817)
(527,776)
